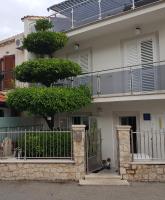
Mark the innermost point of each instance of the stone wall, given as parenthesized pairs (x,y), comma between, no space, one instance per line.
(145,172)
(136,171)
(51,170)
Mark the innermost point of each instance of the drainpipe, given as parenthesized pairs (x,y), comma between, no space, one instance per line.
(133,4)
(72,12)
(100,14)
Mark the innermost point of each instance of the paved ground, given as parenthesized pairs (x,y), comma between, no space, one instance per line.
(71,191)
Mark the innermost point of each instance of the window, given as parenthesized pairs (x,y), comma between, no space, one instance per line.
(2,113)
(143,52)
(83,58)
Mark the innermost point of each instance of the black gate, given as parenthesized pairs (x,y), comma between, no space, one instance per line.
(93,150)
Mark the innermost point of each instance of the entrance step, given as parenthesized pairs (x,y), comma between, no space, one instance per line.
(102,176)
(103,179)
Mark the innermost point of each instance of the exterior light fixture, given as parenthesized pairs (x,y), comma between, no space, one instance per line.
(138,31)
(76,46)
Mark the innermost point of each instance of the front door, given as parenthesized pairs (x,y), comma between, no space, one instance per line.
(131,121)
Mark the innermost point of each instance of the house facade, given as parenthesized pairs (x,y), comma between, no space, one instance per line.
(120,47)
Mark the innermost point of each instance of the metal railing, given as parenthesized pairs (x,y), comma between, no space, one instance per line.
(36,144)
(133,80)
(148,145)
(70,15)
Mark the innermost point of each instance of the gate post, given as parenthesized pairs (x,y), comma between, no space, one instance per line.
(79,150)
(124,148)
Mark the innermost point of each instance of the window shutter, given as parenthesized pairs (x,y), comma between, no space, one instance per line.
(83,59)
(85,62)
(147,59)
(132,59)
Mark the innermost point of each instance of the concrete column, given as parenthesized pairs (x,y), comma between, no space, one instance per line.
(79,150)
(124,148)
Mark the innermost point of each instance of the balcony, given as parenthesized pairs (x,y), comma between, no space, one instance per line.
(73,14)
(142,79)
(147,78)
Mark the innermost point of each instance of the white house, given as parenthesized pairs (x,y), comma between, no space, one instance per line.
(120,46)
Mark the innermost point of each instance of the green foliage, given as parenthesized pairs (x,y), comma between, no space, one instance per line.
(45,144)
(48,101)
(46,71)
(45,42)
(43,25)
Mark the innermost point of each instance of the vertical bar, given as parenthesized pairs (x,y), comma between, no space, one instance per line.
(133,4)
(132,145)
(131,81)
(98,84)
(25,145)
(145,145)
(160,138)
(71,140)
(100,11)
(152,144)
(72,12)
(87,151)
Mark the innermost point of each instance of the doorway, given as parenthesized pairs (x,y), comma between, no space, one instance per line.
(131,121)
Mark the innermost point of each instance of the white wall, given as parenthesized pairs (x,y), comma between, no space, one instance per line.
(107,49)
(108,119)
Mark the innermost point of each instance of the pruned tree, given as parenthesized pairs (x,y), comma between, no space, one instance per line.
(47,100)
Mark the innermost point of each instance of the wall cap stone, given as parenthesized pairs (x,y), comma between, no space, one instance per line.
(37,161)
(123,128)
(148,163)
(78,126)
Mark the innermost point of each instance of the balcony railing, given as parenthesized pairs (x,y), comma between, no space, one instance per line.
(133,80)
(73,14)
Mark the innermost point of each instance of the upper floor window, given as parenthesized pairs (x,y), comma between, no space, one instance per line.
(142,53)
(83,58)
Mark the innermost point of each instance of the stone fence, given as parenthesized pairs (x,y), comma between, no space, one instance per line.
(51,170)
(136,171)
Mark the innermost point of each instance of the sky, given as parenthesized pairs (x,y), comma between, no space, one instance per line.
(11,12)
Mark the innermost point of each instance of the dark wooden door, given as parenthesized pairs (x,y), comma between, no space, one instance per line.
(9,64)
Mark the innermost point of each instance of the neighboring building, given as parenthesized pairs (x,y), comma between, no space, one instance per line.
(11,55)
(120,45)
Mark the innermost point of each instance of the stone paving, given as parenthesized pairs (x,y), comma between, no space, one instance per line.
(71,191)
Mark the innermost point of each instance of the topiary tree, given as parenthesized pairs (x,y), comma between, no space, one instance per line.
(47,100)
(46,71)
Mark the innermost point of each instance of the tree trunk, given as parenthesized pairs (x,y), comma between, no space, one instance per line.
(50,122)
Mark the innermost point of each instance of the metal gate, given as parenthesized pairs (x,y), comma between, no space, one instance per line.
(93,150)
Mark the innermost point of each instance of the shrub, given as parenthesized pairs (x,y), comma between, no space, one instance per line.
(45,42)
(45,144)
(46,71)
(48,101)
(43,25)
